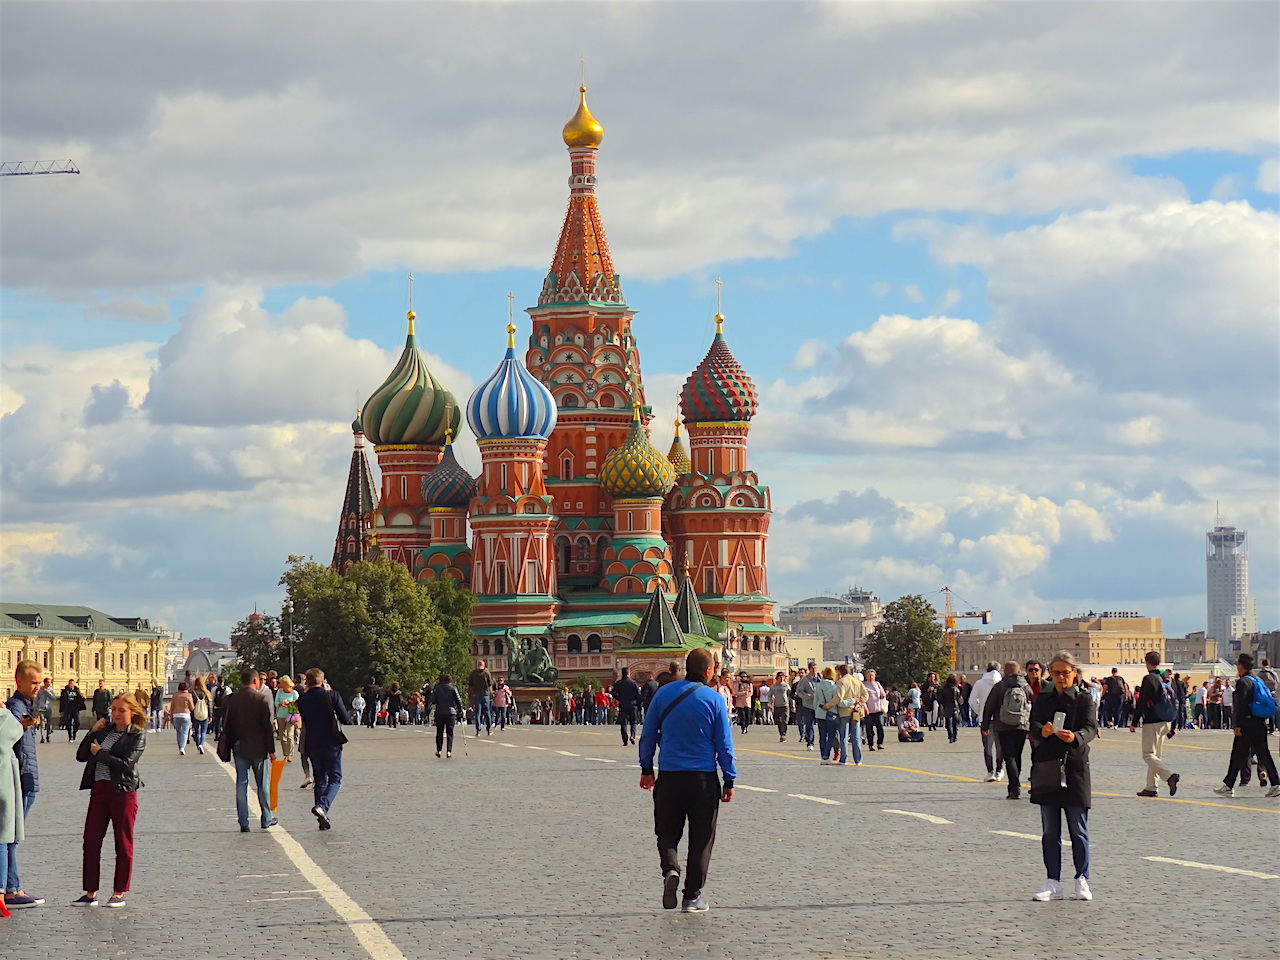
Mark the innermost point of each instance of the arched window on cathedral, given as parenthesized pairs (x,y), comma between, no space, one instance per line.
(568,400)
(755,644)
(584,549)
(593,643)
(566,468)
(497,648)
(484,648)
(574,643)
(562,555)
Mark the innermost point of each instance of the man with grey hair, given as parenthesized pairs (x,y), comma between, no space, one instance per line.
(977,702)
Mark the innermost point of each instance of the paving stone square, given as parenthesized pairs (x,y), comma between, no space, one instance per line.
(536,842)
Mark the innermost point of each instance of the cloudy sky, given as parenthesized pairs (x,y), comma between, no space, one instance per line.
(1005,274)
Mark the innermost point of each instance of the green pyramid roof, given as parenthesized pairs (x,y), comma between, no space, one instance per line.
(658,626)
(687,611)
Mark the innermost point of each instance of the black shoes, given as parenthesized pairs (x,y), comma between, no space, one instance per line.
(244,828)
(670,883)
(1173,783)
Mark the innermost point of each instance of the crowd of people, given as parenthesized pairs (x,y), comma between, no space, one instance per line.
(836,710)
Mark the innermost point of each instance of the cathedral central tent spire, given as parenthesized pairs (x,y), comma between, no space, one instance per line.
(582,268)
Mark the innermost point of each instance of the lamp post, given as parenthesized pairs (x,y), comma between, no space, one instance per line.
(287,609)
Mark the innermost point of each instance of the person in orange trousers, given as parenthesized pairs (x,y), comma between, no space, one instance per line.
(277,770)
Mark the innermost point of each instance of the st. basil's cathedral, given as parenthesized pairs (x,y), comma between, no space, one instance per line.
(578,535)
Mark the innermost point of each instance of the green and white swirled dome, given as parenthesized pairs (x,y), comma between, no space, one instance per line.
(411,406)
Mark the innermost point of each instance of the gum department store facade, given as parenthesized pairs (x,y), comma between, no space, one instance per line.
(583,536)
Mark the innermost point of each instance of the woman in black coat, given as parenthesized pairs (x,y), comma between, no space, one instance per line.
(110,752)
(447,703)
(1063,721)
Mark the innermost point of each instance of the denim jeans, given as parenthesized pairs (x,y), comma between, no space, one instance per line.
(198,730)
(805,723)
(484,708)
(826,735)
(849,739)
(500,717)
(326,767)
(182,727)
(1051,839)
(12,884)
(951,718)
(243,767)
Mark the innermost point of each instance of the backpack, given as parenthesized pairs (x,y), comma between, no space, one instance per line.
(1015,707)
(1162,708)
(201,710)
(1268,678)
(1264,702)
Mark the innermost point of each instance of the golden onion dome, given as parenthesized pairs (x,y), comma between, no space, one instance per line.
(637,468)
(582,130)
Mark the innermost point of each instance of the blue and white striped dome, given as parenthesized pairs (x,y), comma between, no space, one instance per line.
(511,402)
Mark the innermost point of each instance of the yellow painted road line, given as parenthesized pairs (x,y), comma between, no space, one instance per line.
(1096,793)
(1212,866)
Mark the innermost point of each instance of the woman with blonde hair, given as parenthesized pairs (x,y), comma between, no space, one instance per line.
(1063,721)
(110,752)
(288,720)
(825,714)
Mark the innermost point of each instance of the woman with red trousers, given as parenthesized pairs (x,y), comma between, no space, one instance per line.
(110,752)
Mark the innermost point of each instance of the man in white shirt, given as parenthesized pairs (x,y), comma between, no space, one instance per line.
(990,743)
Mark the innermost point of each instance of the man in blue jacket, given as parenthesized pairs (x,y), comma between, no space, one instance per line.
(26,681)
(689,722)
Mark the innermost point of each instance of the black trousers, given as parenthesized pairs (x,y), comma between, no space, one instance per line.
(1011,744)
(681,795)
(627,720)
(1252,739)
(744,717)
(444,730)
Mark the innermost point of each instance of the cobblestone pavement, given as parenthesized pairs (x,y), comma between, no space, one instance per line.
(539,844)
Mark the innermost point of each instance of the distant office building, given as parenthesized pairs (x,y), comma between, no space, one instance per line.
(843,621)
(1193,648)
(1113,637)
(1263,646)
(1232,611)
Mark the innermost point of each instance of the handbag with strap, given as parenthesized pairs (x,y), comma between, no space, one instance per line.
(338,736)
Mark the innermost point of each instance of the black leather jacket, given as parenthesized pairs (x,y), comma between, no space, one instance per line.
(122,758)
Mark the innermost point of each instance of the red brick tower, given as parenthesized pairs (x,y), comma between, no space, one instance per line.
(718,513)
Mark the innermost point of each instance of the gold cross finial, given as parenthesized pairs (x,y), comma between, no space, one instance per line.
(582,74)
(635,408)
(511,336)
(411,315)
(677,422)
(448,436)
(719,315)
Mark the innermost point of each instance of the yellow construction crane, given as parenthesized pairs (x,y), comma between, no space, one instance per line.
(29,168)
(949,618)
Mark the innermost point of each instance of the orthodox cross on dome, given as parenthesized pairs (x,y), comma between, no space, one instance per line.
(411,315)
(719,315)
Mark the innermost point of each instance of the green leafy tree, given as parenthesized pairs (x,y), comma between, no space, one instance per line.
(256,641)
(585,684)
(453,612)
(907,644)
(376,621)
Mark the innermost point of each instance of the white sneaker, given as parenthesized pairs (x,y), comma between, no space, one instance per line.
(182,751)
(1224,791)
(1082,889)
(992,778)
(1274,791)
(1052,890)
(999,776)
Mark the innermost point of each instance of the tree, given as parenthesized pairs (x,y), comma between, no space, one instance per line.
(256,641)
(374,621)
(907,644)
(453,612)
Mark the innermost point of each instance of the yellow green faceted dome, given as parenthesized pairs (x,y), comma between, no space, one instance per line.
(637,468)
(678,456)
